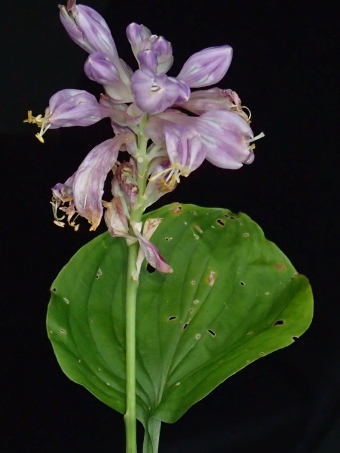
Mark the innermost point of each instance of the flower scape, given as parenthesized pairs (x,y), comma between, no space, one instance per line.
(167,129)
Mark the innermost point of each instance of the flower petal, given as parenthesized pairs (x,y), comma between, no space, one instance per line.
(153,93)
(116,220)
(206,67)
(163,49)
(147,60)
(137,34)
(150,251)
(225,137)
(90,177)
(74,108)
(99,68)
(203,101)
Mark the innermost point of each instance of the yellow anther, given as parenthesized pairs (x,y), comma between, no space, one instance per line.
(39,137)
(41,122)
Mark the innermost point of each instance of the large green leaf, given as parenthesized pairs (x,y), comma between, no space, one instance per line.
(233,297)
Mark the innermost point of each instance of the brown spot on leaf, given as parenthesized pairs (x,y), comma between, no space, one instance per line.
(211,278)
(198,228)
(280,267)
(177,209)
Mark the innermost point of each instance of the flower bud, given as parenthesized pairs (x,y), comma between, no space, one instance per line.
(99,68)
(206,67)
(137,34)
(147,59)
(88,29)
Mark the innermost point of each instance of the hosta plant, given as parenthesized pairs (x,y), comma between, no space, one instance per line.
(155,313)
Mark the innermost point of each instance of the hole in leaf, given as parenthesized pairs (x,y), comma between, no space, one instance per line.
(198,336)
(150,269)
(185,325)
(242,284)
(220,222)
(279,322)
(193,282)
(261,353)
(63,331)
(191,310)
(54,290)
(232,218)
(280,267)
(172,318)
(99,273)
(177,209)
(212,333)
(294,338)
(226,215)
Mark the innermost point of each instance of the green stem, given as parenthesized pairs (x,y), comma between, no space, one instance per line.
(151,436)
(131,297)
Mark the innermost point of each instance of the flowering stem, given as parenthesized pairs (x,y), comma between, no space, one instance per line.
(131,296)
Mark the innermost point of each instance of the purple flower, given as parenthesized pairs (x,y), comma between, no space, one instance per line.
(88,181)
(101,69)
(202,101)
(146,109)
(87,28)
(69,108)
(153,93)
(141,40)
(206,67)
(225,139)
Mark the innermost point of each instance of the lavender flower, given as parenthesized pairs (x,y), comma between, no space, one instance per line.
(69,108)
(85,187)
(145,106)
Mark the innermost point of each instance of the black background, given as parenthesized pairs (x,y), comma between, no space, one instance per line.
(284,71)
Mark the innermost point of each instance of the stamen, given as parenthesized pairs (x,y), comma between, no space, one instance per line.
(153,178)
(245,107)
(41,122)
(55,206)
(59,224)
(155,87)
(257,137)
(39,137)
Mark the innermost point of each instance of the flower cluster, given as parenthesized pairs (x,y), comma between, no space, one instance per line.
(145,106)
